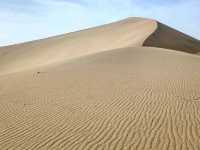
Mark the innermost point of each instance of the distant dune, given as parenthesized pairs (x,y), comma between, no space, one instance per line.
(129,85)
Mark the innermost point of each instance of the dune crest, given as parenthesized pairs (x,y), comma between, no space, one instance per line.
(129,32)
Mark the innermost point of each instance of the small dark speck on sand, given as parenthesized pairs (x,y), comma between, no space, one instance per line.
(39,72)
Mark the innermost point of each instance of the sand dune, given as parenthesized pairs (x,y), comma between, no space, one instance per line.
(108,87)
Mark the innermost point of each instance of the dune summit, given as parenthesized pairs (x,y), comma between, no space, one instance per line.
(131,32)
(132,85)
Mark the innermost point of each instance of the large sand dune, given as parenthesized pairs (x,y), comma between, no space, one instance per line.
(131,85)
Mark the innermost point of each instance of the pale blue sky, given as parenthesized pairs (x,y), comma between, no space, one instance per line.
(25,20)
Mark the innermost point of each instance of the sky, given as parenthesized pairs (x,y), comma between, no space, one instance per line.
(26,20)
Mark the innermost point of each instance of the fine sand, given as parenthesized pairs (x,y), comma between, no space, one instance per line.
(128,85)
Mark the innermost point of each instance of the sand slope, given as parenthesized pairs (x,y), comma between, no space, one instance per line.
(73,45)
(121,96)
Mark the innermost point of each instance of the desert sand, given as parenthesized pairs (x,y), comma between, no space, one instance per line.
(129,85)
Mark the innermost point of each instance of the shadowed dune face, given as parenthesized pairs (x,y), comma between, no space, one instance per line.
(102,89)
(166,37)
